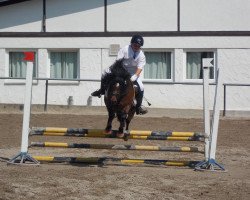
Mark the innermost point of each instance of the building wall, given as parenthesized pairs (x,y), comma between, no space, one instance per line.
(141,15)
(77,15)
(234,62)
(232,52)
(216,15)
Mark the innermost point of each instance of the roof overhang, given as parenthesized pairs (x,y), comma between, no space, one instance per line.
(10,2)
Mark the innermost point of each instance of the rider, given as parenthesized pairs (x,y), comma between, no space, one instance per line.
(135,61)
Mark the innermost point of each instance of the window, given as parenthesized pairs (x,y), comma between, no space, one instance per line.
(63,65)
(194,67)
(158,65)
(17,66)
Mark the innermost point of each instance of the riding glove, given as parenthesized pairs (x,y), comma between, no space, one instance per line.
(134,78)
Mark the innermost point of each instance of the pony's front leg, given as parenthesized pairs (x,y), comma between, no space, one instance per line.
(128,120)
(108,128)
(122,119)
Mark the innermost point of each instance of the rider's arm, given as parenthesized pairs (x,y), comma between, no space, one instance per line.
(138,71)
(121,53)
(141,63)
(136,75)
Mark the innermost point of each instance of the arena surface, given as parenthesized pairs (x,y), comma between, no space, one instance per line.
(90,182)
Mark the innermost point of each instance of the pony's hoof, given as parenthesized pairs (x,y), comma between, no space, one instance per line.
(120,135)
(125,137)
(107,132)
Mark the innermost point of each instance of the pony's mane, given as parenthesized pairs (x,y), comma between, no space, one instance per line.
(118,70)
(118,74)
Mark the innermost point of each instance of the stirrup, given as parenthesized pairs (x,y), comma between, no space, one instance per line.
(141,111)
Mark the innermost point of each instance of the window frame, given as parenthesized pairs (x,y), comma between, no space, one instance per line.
(171,51)
(20,81)
(64,82)
(185,51)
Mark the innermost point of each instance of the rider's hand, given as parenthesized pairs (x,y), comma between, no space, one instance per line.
(134,78)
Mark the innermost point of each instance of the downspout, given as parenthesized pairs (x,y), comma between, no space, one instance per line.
(105,16)
(44,17)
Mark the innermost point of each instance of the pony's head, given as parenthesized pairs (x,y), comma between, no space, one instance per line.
(116,89)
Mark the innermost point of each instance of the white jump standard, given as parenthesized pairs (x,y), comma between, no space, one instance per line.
(211,134)
(23,157)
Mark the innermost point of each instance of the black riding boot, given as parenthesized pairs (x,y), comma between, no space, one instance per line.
(101,91)
(139,109)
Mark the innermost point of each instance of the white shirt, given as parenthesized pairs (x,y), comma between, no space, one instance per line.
(139,60)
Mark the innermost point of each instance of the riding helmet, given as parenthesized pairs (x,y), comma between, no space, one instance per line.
(137,39)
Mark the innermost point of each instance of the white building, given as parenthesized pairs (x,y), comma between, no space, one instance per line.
(77,40)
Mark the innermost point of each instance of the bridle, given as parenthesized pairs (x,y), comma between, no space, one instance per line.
(117,92)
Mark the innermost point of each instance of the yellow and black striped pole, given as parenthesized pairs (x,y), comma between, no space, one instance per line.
(79,131)
(133,134)
(113,147)
(106,160)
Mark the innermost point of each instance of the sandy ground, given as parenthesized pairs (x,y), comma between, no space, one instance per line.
(68,181)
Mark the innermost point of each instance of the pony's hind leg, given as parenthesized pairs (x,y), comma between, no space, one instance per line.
(131,114)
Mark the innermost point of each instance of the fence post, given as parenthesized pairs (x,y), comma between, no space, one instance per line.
(224,99)
(46,95)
